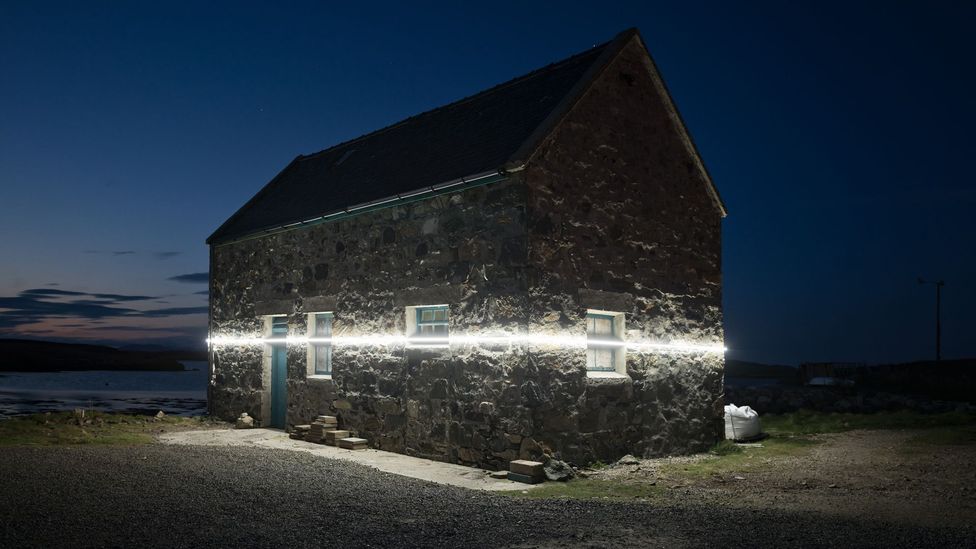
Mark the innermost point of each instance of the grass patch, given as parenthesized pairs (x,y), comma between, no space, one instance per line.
(741,459)
(789,435)
(794,434)
(945,436)
(806,422)
(725,448)
(69,428)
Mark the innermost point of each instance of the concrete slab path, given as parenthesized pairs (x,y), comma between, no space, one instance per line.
(389,462)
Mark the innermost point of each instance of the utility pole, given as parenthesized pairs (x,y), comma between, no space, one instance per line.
(938,314)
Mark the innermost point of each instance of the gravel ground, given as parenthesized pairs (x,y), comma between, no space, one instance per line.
(169,496)
(859,475)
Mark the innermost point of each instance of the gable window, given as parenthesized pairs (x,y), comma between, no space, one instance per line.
(320,347)
(604,341)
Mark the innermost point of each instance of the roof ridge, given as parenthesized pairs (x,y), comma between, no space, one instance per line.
(495,88)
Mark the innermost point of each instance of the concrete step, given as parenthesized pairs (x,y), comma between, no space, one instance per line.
(353,443)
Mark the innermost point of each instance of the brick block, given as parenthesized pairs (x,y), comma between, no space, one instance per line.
(527,468)
(525,479)
(333,437)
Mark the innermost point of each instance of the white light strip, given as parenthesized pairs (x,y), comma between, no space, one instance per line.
(580,342)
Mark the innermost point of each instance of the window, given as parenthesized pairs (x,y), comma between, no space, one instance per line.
(604,349)
(432,321)
(427,322)
(279,327)
(320,352)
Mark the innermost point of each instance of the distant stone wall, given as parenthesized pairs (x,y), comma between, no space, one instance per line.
(783,399)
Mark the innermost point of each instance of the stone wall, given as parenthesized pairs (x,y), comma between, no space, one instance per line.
(621,219)
(784,399)
(466,249)
(610,214)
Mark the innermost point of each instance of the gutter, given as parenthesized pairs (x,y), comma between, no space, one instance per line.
(456,185)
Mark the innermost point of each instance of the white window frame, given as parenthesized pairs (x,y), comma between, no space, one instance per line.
(612,343)
(417,325)
(316,348)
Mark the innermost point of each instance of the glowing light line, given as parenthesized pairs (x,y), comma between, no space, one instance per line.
(542,340)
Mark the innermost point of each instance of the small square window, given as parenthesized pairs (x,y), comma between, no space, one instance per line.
(279,327)
(432,321)
(604,349)
(320,328)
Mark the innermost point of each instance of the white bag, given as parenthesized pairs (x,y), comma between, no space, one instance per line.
(741,423)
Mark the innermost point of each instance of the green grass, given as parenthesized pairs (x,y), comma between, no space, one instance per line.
(725,448)
(67,428)
(944,436)
(725,465)
(789,435)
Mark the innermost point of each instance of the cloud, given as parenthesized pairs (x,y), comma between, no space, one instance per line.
(109,297)
(40,304)
(112,252)
(165,255)
(147,329)
(36,308)
(175,311)
(191,278)
(202,292)
(118,297)
(50,291)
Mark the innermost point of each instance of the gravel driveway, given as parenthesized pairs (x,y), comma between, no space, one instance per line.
(167,496)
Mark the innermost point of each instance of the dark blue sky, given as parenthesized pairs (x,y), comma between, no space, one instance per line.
(839,134)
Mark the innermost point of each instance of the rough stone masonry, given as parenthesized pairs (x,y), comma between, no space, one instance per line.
(610,211)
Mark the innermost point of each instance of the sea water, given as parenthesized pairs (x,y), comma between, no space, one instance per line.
(180,393)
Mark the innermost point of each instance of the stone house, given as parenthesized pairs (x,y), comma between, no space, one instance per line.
(534,268)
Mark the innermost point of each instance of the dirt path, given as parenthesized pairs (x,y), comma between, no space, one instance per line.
(878,475)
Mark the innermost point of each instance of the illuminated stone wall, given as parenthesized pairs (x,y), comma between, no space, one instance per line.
(622,220)
(610,214)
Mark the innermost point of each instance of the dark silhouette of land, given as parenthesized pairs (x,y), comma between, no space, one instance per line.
(743,368)
(21,355)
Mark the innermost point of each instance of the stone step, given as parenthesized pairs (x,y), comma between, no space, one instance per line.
(526,479)
(353,443)
(527,468)
(333,437)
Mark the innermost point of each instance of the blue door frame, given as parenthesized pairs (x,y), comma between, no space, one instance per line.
(279,396)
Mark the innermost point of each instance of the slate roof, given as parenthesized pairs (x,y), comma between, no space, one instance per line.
(478,134)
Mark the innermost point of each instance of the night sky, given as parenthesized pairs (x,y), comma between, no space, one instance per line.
(839,135)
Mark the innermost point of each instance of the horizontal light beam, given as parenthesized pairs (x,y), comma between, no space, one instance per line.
(578,342)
